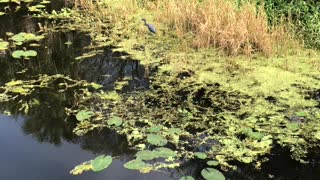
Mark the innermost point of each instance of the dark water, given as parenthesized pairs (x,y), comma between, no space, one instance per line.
(23,157)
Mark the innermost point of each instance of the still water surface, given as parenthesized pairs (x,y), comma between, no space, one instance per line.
(24,158)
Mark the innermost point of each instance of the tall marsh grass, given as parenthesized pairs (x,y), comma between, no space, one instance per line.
(223,24)
(219,23)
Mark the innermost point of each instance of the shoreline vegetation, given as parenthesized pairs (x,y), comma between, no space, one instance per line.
(229,80)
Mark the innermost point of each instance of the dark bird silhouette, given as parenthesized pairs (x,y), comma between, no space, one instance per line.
(150,27)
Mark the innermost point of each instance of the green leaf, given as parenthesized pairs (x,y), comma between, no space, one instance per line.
(212,174)
(156,140)
(96,86)
(154,129)
(186,178)
(3,45)
(136,164)
(101,163)
(147,155)
(293,126)
(174,131)
(213,163)
(165,152)
(84,114)
(301,114)
(200,155)
(256,135)
(115,120)
(317,135)
(19,53)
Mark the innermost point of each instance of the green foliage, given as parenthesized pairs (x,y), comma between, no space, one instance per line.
(165,152)
(147,155)
(186,178)
(3,45)
(212,174)
(26,54)
(25,37)
(84,114)
(304,16)
(156,140)
(213,163)
(154,129)
(115,120)
(101,162)
(137,164)
(200,155)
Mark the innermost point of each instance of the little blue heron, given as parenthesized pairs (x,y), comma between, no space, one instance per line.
(150,27)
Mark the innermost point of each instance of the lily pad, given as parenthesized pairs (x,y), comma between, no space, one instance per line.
(293,126)
(136,164)
(200,155)
(165,152)
(156,140)
(147,155)
(301,114)
(25,37)
(101,163)
(174,131)
(115,120)
(26,54)
(154,129)
(3,45)
(212,174)
(84,114)
(186,178)
(213,163)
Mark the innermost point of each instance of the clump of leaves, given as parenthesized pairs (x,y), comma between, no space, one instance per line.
(25,54)
(23,37)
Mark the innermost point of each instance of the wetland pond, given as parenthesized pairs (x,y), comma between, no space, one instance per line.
(37,138)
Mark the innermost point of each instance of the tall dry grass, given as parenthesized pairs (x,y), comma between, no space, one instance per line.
(221,24)
(218,23)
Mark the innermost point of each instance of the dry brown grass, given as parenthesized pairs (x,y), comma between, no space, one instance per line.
(218,23)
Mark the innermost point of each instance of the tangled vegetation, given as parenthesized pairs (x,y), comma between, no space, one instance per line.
(226,84)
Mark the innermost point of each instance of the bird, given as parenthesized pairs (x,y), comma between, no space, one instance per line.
(150,27)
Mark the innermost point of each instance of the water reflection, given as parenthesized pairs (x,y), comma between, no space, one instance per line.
(25,158)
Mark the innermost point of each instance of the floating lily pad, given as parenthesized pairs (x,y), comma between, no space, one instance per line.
(213,163)
(25,37)
(212,174)
(26,54)
(156,140)
(101,163)
(84,114)
(200,155)
(293,126)
(186,178)
(3,45)
(165,152)
(136,164)
(174,131)
(115,120)
(154,129)
(301,114)
(147,155)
